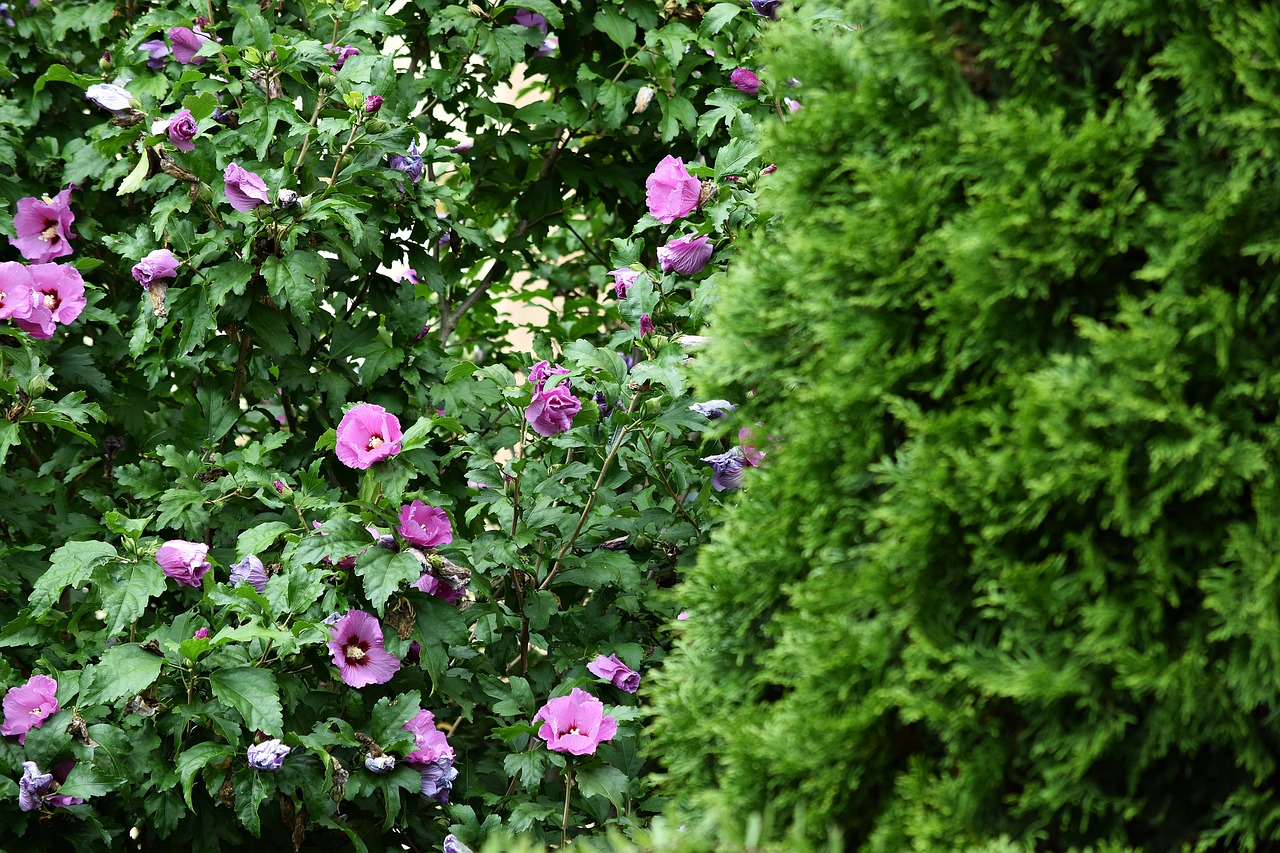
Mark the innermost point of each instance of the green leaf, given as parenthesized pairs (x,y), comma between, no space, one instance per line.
(735,156)
(386,724)
(439,626)
(9,437)
(254,695)
(126,599)
(615,98)
(201,106)
(122,525)
(584,355)
(608,782)
(717,16)
(258,539)
(70,565)
(135,178)
(383,571)
(86,780)
(195,759)
(618,27)
(545,8)
(251,788)
(63,74)
(461,370)
(295,278)
(124,670)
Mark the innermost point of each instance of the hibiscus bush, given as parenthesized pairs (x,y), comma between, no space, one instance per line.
(303,539)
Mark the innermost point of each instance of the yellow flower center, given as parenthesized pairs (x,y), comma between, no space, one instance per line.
(354,653)
(375,441)
(50,234)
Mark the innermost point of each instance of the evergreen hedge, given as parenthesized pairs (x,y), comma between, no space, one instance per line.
(1008,576)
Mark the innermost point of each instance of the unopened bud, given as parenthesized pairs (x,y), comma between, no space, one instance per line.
(351,5)
(353,100)
(327,81)
(252,55)
(643,99)
(105,61)
(372,104)
(286,199)
(376,125)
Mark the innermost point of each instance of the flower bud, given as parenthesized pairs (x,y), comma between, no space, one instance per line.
(351,5)
(286,199)
(376,125)
(643,99)
(327,81)
(353,100)
(105,61)
(372,104)
(252,55)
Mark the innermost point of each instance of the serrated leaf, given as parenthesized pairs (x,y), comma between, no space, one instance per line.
(196,758)
(86,780)
(717,16)
(126,599)
(124,670)
(735,156)
(254,695)
(461,370)
(618,27)
(615,99)
(439,626)
(251,788)
(295,278)
(545,8)
(201,106)
(583,354)
(70,565)
(387,721)
(383,571)
(260,538)
(608,782)
(63,74)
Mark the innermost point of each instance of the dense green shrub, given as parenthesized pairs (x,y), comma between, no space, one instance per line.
(1010,572)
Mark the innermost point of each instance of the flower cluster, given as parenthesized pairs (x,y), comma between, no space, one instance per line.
(39,297)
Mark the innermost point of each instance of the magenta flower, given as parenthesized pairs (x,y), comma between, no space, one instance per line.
(268,755)
(57,297)
(186,44)
(424,526)
(358,652)
(622,281)
(745,80)
(156,50)
(244,189)
(541,372)
(44,227)
(646,324)
(671,192)
(17,289)
(158,264)
(615,671)
(685,255)
(201,634)
(372,104)
(551,411)
(28,706)
(251,571)
(114,99)
(430,744)
(185,562)
(367,434)
(575,723)
(183,129)
(443,590)
(343,54)
(793,106)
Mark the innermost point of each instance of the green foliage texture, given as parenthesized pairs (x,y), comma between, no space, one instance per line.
(1008,577)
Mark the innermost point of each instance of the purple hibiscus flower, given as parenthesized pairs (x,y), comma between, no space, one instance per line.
(358,652)
(28,706)
(367,434)
(43,227)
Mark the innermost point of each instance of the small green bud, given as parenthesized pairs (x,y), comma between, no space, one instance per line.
(252,55)
(327,82)
(352,5)
(376,125)
(651,408)
(354,100)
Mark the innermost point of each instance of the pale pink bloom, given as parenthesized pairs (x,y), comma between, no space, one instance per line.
(28,706)
(430,743)
(244,189)
(185,562)
(671,192)
(358,652)
(16,289)
(367,434)
(551,411)
(57,297)
(623,279)
(685,255)
(201,634)
(575,724)
(43,227)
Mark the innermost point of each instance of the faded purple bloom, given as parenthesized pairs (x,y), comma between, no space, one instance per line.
(43,227)
(268,755)
(463,147)
(251,571)
(185,562)
(437,779)
(28,706)
(244,189)
(602,403)
(615,671)
(430,744)
(541,372)
(551,410)
(713,409)
(286,199)
(358,652)
(201,634)
(685,255)
(187,43)
(726,469)
(793,105)
(682,616)
(646,324)
(32,786)
(547,47)
(60,772)
(747,440)
(226,118)
(575,723)
(372,104)
(114,99)
(156,50)
(367,434)
(384,763)
(766,8)
(443,590)
(769,170)
(410,275)
(452,844)
(342,53)
(671,192)
(745,80)
(424,526)
(623,279)
(158,264)
(526,18)
(410,163)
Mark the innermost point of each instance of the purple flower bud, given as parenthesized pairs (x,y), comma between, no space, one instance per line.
(745,80)
(279,486)
(685,255)
(372,104)
(182,129)
(646,325)
(463,147)
(766,8)
(201,634)
(769,170)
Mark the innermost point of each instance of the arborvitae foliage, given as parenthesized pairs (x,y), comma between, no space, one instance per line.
(1009,577)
